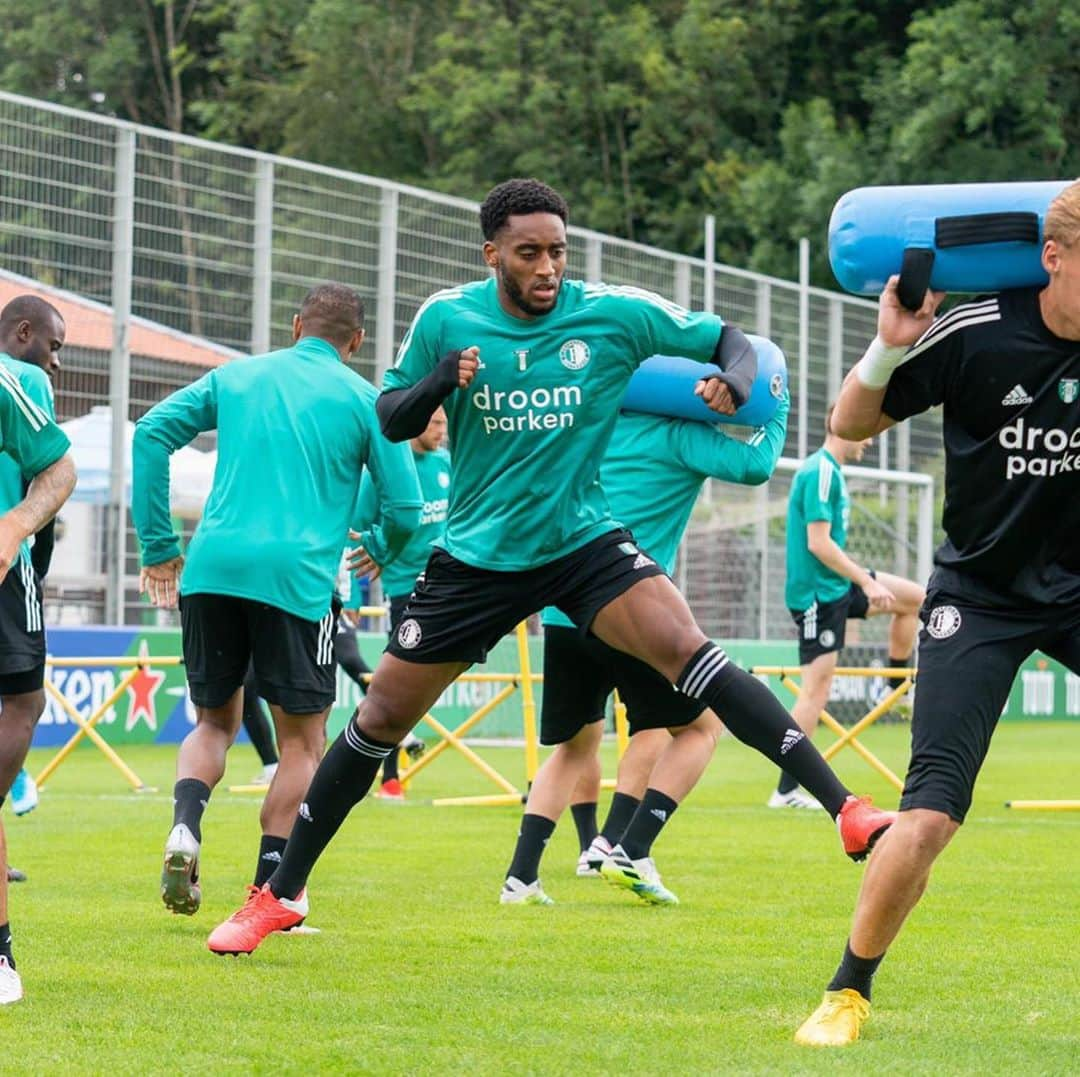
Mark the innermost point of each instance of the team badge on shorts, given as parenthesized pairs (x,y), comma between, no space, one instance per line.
(409,634)
(574,354)
(943,622)
(827,638)
(1069,389)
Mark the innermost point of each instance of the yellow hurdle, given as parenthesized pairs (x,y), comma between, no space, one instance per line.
(86,725)
(849,737)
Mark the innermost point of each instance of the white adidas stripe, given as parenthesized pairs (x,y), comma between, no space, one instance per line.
(673,310)
(710,663)
(437,297)
(958,312)
(34,415)
(825,474)
(974,315)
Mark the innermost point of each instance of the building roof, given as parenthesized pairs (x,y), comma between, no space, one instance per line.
(90,325)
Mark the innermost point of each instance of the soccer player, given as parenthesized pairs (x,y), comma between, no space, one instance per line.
(652,473)
(400,575)
(825,588)
(530,369)
(295,428)
(31,331)
(1007,578)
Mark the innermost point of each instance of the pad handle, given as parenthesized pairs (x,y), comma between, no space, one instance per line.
(973,229)
(914,277)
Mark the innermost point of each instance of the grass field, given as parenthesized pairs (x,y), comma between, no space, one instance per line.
(419,970)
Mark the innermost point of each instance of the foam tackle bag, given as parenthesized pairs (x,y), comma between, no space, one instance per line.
(952,237)
(664,385)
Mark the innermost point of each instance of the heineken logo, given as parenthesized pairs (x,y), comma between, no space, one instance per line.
(1069,389)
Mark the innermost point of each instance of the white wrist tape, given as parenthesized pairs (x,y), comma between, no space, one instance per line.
(875,368)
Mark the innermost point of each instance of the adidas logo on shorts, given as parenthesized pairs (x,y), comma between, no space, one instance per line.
(641,561)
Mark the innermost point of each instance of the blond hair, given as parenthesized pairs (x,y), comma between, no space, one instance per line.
(1062,221)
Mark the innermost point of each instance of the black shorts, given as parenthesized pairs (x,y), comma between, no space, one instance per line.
(293,659)
(458,613)
(823,625)
(580,673)
(22,631)
(969,656)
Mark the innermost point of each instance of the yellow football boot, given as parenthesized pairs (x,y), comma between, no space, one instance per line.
(836,1022)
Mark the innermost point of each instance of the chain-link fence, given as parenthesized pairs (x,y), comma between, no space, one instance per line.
(216,245)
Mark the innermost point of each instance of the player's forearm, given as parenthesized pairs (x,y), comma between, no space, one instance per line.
(385,540)
(48,490)
(832,556)
(150,498)
(405,413)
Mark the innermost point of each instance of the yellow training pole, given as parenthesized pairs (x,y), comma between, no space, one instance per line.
(528,706)
(622,726)
(86,729)
(1044,805)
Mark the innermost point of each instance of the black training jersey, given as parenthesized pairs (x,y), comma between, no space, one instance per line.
(1011,395)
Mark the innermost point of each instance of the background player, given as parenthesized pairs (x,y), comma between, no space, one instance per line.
(400,575)
(39,449)
(652,472)
(1007,578)
(295,427)
(825,588)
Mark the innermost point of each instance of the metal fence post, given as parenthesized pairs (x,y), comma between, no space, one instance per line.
(386,301)
(710,264)
(682,283)
(926,531)
(120,370)
(835,373)
(804,345)
(594,259)
(262,267)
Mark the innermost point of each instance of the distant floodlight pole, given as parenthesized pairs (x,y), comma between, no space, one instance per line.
(120,371)
(804,344)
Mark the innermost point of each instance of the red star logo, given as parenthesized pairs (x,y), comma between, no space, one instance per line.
(141,694)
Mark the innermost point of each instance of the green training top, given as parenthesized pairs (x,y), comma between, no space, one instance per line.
(654,468)
(529,432)
(295,428)
(36,385)
(818,492)
(433,469)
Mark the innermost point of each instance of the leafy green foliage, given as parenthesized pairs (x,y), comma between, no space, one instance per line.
(647,115)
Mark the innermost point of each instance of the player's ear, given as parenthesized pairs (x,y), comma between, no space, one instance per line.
(1051,256)
(491,255)
(355,341)
(297,327)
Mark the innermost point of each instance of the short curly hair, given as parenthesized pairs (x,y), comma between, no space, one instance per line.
(515,197)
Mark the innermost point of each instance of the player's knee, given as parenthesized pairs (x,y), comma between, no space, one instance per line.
(20,713)
(929,830)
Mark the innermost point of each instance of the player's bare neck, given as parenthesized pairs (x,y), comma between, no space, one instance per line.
(1061,318)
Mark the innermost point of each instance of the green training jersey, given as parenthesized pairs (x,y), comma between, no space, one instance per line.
(818,492)
(36,386)
(653,471)
(529,432)
(295,429)
(433,469)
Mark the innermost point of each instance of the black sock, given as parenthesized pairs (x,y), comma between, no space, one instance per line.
(270,850)
(618,818)
(786,784)
(258,728)
(585,820)
(758,718)
(342,781)
(652,814)
(390,766)
(532,837)
(898,663)
(5,944)
(855,972)
(190,797)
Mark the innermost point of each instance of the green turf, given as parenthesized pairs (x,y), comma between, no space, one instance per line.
(419,970)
